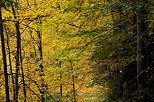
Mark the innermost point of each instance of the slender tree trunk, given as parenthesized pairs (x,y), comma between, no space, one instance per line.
(23,77)
(142,53)
(4,59)
(139,48)
(141,38)
(41,65)
(18,37)
(10,63)
(74,90)
(17,61)
(61,86)
(39,34)
(40,59)
(73,83)
(19,57)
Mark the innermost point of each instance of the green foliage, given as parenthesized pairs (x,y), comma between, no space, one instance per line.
(89,49)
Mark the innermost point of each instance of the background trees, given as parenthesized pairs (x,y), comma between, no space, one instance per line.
(77,50)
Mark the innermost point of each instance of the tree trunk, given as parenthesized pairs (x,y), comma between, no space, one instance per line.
(10,63)
(4,59)
(18,42)
(139,49)
(142,57)
(74,90)
(73,83)
(17,61)
(61,86)
(141,38)
(39,34)
(23,77)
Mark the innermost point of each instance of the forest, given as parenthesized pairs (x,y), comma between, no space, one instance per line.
(76,51)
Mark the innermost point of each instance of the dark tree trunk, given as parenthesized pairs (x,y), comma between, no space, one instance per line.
(142,56)
(74,90)
(10,63)
(23,77)
(4,59)
(61,86)
(39,34)
(73,84)
(18,42)
(61,82)
(17,61)
(141,38)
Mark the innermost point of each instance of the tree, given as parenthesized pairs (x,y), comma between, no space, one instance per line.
(4,57)
(78,50)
